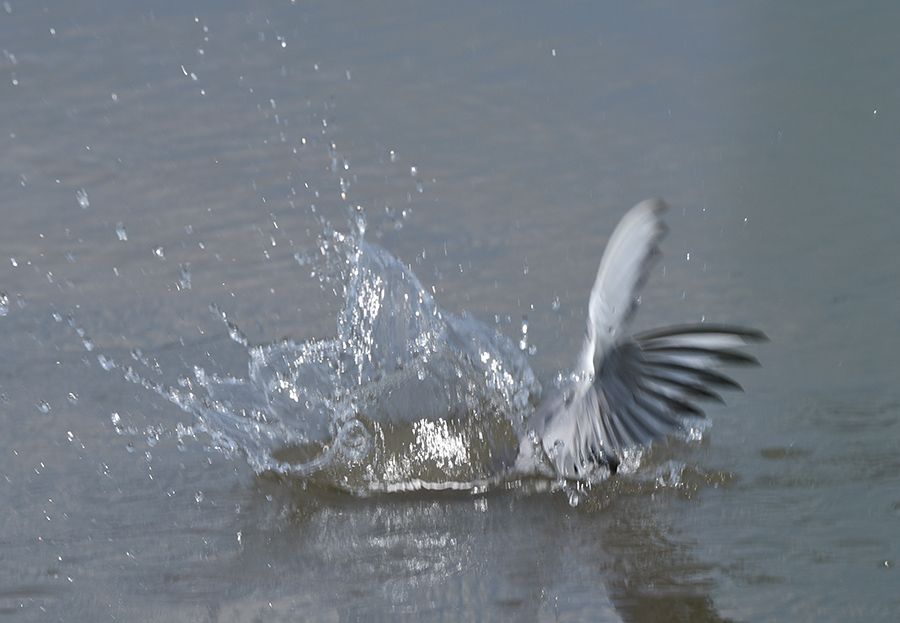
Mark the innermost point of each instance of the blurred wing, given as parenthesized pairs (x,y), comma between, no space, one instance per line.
(631,251)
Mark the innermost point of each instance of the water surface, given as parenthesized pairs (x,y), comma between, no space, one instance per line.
(156,162)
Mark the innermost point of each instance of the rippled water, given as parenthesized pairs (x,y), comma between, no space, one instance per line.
(180,192)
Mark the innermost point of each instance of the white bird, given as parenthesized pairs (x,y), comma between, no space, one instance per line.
(629,390)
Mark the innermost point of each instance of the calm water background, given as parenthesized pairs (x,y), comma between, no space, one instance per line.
(203,133)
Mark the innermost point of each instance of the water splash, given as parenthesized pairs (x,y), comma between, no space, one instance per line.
(405,396)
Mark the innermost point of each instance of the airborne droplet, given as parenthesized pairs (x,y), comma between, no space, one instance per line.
(81,196)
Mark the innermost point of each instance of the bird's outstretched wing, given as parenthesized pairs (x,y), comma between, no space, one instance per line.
(631,251)
(631,390)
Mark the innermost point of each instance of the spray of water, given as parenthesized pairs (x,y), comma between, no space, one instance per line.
(404,396)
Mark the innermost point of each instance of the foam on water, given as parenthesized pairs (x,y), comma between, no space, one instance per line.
(405,396)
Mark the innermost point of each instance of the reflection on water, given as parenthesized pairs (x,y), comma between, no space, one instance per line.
(421,557)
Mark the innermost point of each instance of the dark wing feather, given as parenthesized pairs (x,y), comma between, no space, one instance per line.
(658,378)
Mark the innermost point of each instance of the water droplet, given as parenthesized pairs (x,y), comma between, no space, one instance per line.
(43,406)
(695,433)
(185,283)
(72,398)
(555,303)
(523,342)
(120,231)
(4,304)
(235,333)
(159,252)
(81,196)
(558,447)
(105,362)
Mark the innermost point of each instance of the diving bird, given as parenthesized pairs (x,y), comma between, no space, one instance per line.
(629,390)
(409,396)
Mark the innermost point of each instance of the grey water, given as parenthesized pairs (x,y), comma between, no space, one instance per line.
(159,163)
